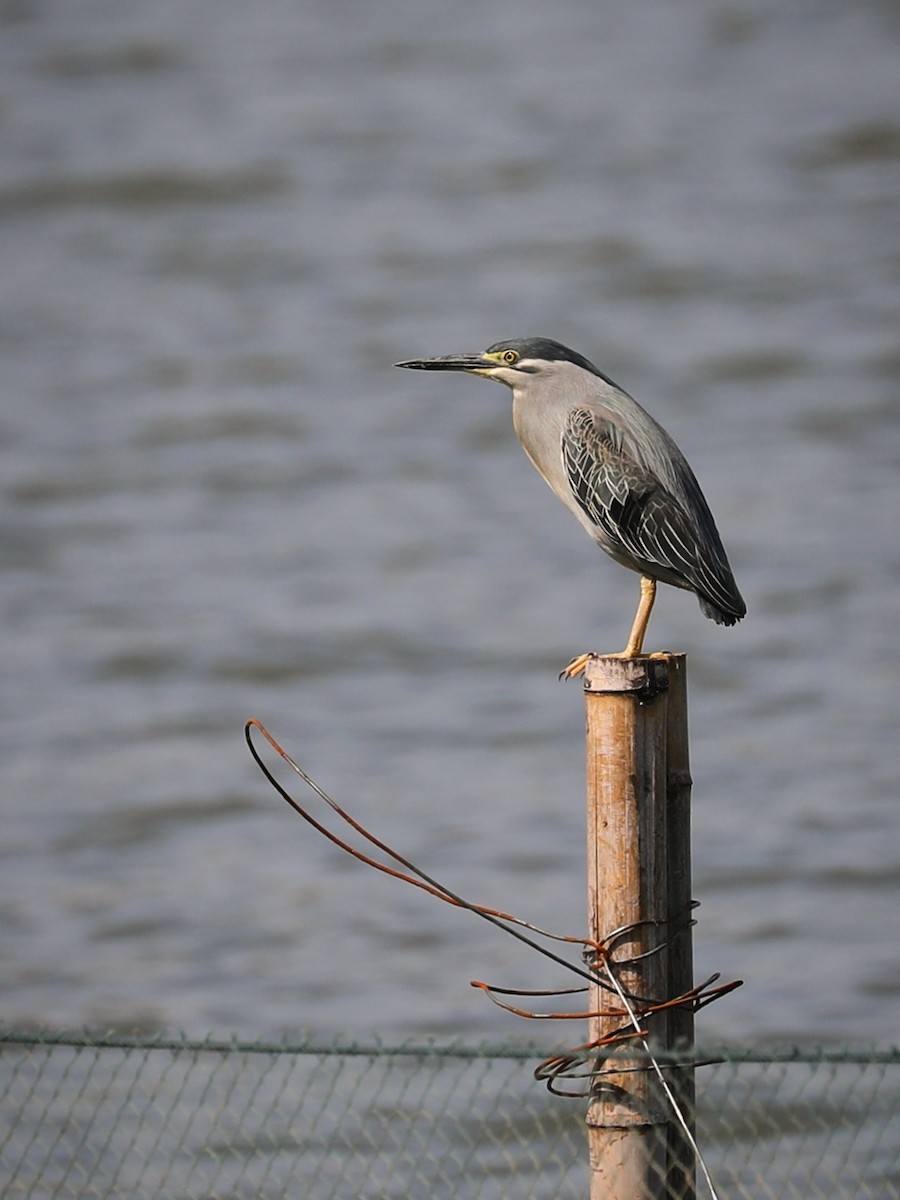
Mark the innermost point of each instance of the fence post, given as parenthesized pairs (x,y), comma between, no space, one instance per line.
(635,874)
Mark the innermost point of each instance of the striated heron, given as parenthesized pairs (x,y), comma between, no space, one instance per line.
(615,468)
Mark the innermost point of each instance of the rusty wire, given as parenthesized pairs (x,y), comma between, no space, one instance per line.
(601,965)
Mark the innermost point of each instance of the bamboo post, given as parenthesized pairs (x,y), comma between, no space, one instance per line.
(638,869)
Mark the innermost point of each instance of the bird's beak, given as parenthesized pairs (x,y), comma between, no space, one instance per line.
(476,363)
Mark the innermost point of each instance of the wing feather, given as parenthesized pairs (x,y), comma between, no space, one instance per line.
(638,517)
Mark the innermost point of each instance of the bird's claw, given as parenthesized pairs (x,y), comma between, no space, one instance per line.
(576,666)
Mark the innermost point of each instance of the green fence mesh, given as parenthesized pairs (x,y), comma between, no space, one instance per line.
(139,1118)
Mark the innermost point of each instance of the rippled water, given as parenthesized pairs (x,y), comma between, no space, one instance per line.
(221,224)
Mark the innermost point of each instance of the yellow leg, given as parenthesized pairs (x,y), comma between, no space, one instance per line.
(641,619)
(636,637)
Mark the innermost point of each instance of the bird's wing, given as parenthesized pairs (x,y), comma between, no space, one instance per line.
(633,510)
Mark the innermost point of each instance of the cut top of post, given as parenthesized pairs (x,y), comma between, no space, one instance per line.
(644,677)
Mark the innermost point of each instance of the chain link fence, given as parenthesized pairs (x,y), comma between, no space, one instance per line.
(205,1120)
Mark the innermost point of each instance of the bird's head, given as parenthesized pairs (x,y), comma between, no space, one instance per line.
(513,362)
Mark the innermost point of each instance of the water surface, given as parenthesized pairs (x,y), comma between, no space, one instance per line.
(221,224)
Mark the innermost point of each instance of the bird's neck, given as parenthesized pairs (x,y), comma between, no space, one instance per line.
(539,430)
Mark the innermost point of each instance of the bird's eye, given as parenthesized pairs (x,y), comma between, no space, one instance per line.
(510,356)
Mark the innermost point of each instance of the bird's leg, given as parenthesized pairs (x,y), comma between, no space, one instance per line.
(641,619)
(636,637)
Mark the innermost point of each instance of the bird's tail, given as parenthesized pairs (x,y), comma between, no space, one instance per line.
(724,616)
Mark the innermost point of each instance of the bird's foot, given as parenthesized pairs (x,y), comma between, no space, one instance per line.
(577,665)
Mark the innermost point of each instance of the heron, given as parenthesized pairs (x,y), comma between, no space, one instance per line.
(617,471)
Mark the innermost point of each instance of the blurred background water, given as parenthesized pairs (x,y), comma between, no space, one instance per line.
(221,224)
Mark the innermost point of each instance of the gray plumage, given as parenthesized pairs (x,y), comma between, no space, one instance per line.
(612,465)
